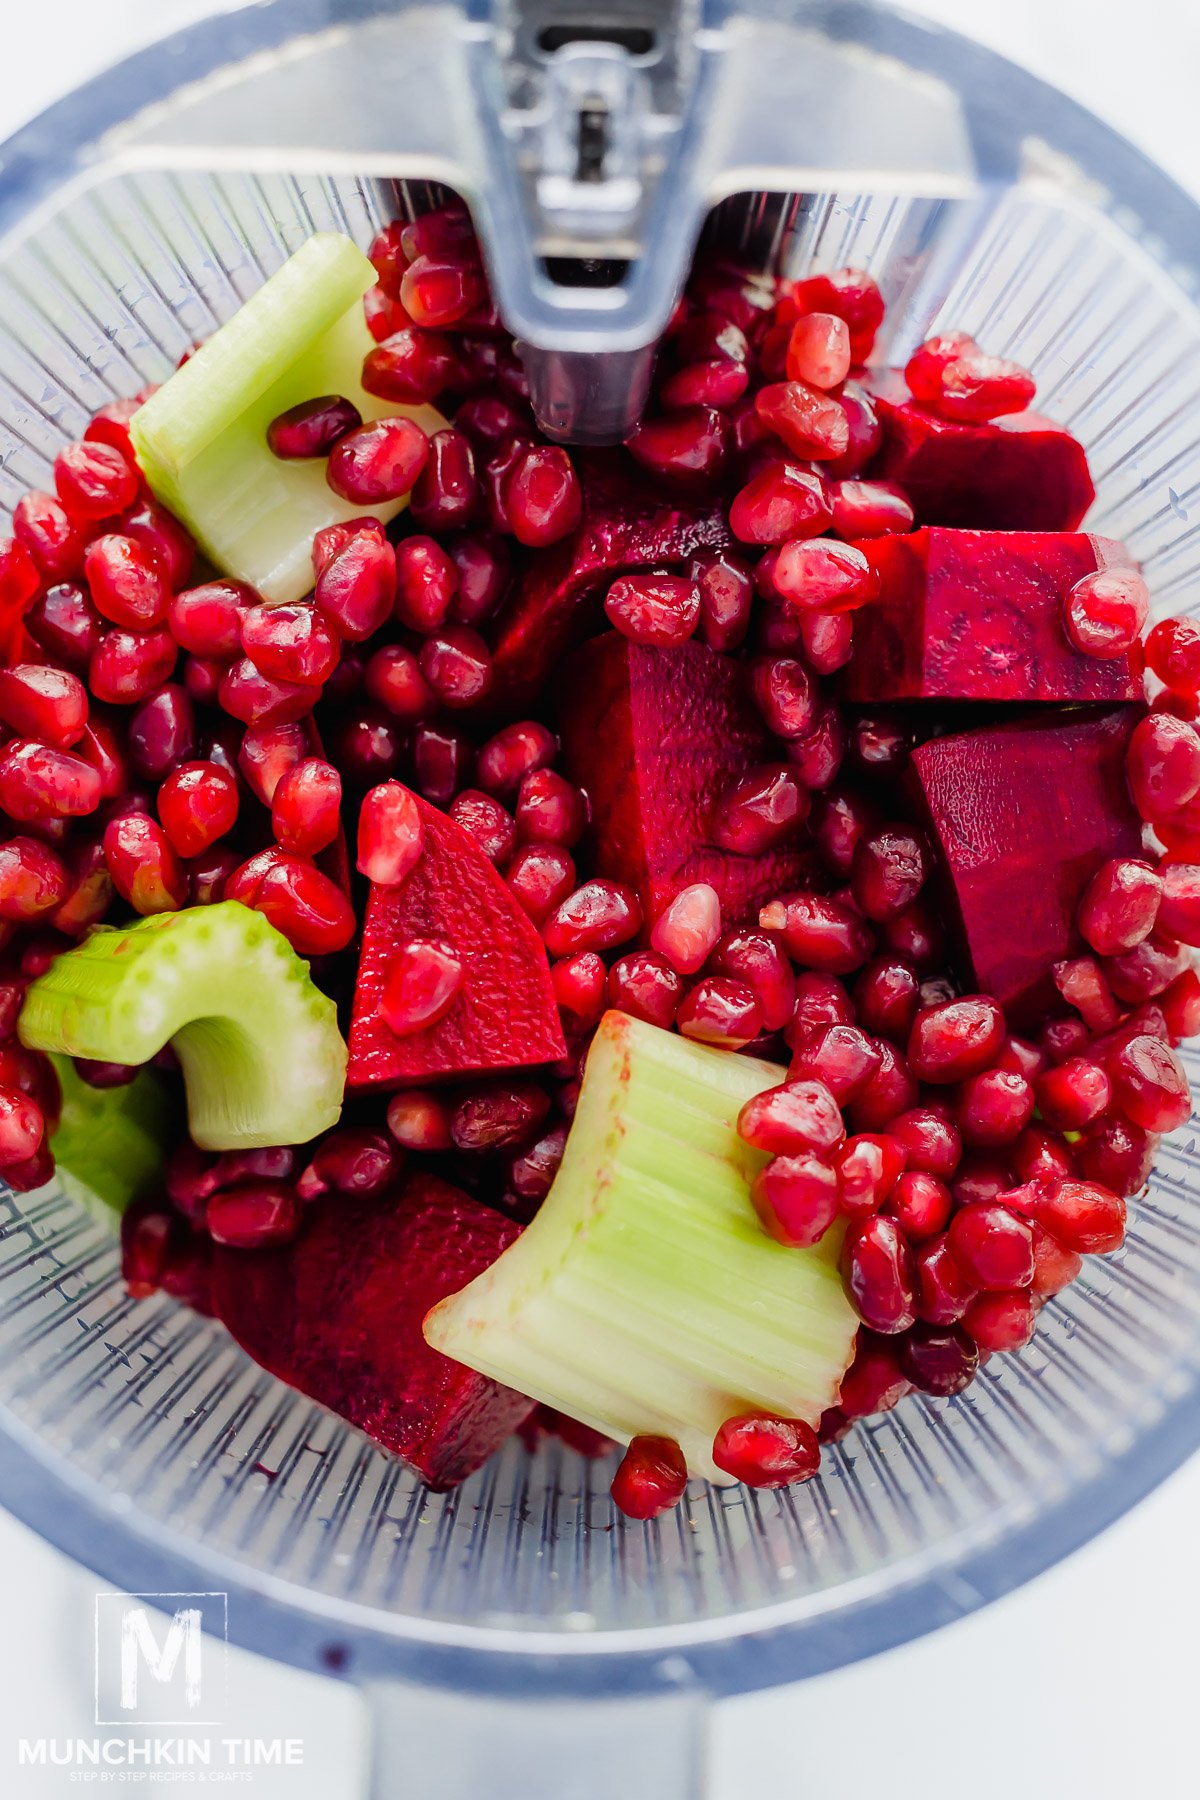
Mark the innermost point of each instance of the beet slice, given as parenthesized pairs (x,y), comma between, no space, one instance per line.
(656,736)
(505,1016)
(978,615)
(628,523)
(338,1315)
(1023,814)
(1018,473)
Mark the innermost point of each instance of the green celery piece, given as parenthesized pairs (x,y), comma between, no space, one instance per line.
(645,1295)
(201,440)
(110,1143)
(263,1059)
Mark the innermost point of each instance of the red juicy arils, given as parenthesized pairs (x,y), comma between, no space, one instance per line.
(1024,814)
(1018,473)
(505,1015)
(338,1315)
(978,615)
(628,524)
(656,738)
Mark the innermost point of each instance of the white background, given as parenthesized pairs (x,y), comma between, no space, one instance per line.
(1083,1684)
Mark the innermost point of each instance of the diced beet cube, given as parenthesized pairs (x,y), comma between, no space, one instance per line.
(338,1314)
(1021,472)
(628,523)
(1023,814)
(656,737)
(978,615)
(505,1016)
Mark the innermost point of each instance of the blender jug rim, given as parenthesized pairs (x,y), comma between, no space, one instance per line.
(733,1651)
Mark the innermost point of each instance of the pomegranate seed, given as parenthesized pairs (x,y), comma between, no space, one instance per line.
(303,905)
(167,542)
(820,1001)
(423,981)
(1145,971)
(314,426)
(840,821)
(64,623)
(785,695)
(419,1120)
(766,1452)
(580,987)
(938,1359)
(162,732)
(757,959)
(760,810)
(720,1011)
(818,351)
(780,503)
(688,447)
(377,462)
(980,1180)
(886,997)
(208,874)
(880,745)
(258,699)
(1180,1005)
(542,496)
(868,1168)
(447,494)
(796,1199)
(46,532)
(1054,1266)
(870,509)
(956,1039)
(457,665)
(43,703)
(207,620)
(812,424)
(1041,1155)
(1105,612)
(305,807)
(992,1246)
(1173,654)
(597,916)
(332,539)
(943,1291)
(921,1205)
(33,880)
(484,567)
(1149,1085)
(494,830)
(22,1127)
(798,1117)
(817,756)
(853,296)
(110,424)
(542,876)
(147,1238)
(726,596)
(550,810)
(393,678)
(498,1115)
(445,229)
(1178,913)
(197,804)
(391,835)
(880,1273)
(686,931)
(819,933)
(356,587)
(952,376)
(12,998)
(144,867)
(1072,1094)
(715,384)
(888,872)
(489,422)
(267,752)
(254,1215)
(126,583)
(1164,765)
(94,481)
(38,783)
(290,643)
(841,1056)
(873,1383)
(646,987)
(411,366)
(994,1107)
(516,751)
(440,288)
(352,1161)
(426,583)
(1119,905)
(890,1091)
(1082,985)
(915,934)
(1001,1321)
(654,609)
(710,337)
(650,1479)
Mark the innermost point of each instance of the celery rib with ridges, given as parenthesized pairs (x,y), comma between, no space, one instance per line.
(109,1143)
(201,440)
(645,1295)
(263,1060)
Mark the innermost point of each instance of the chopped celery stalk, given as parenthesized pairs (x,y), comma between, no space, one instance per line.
(201,440)
(263,1060)
(109,1143)
(645,1295)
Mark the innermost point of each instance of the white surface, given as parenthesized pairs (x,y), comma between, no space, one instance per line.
(1080,1685)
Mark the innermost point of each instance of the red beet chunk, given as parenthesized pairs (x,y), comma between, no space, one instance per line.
(1024,814)
(338,1315)
(505,1016)
(978,615)
(656,737)
(628,524)
(1018,473)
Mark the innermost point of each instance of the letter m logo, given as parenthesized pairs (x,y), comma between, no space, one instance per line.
(160,1658)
